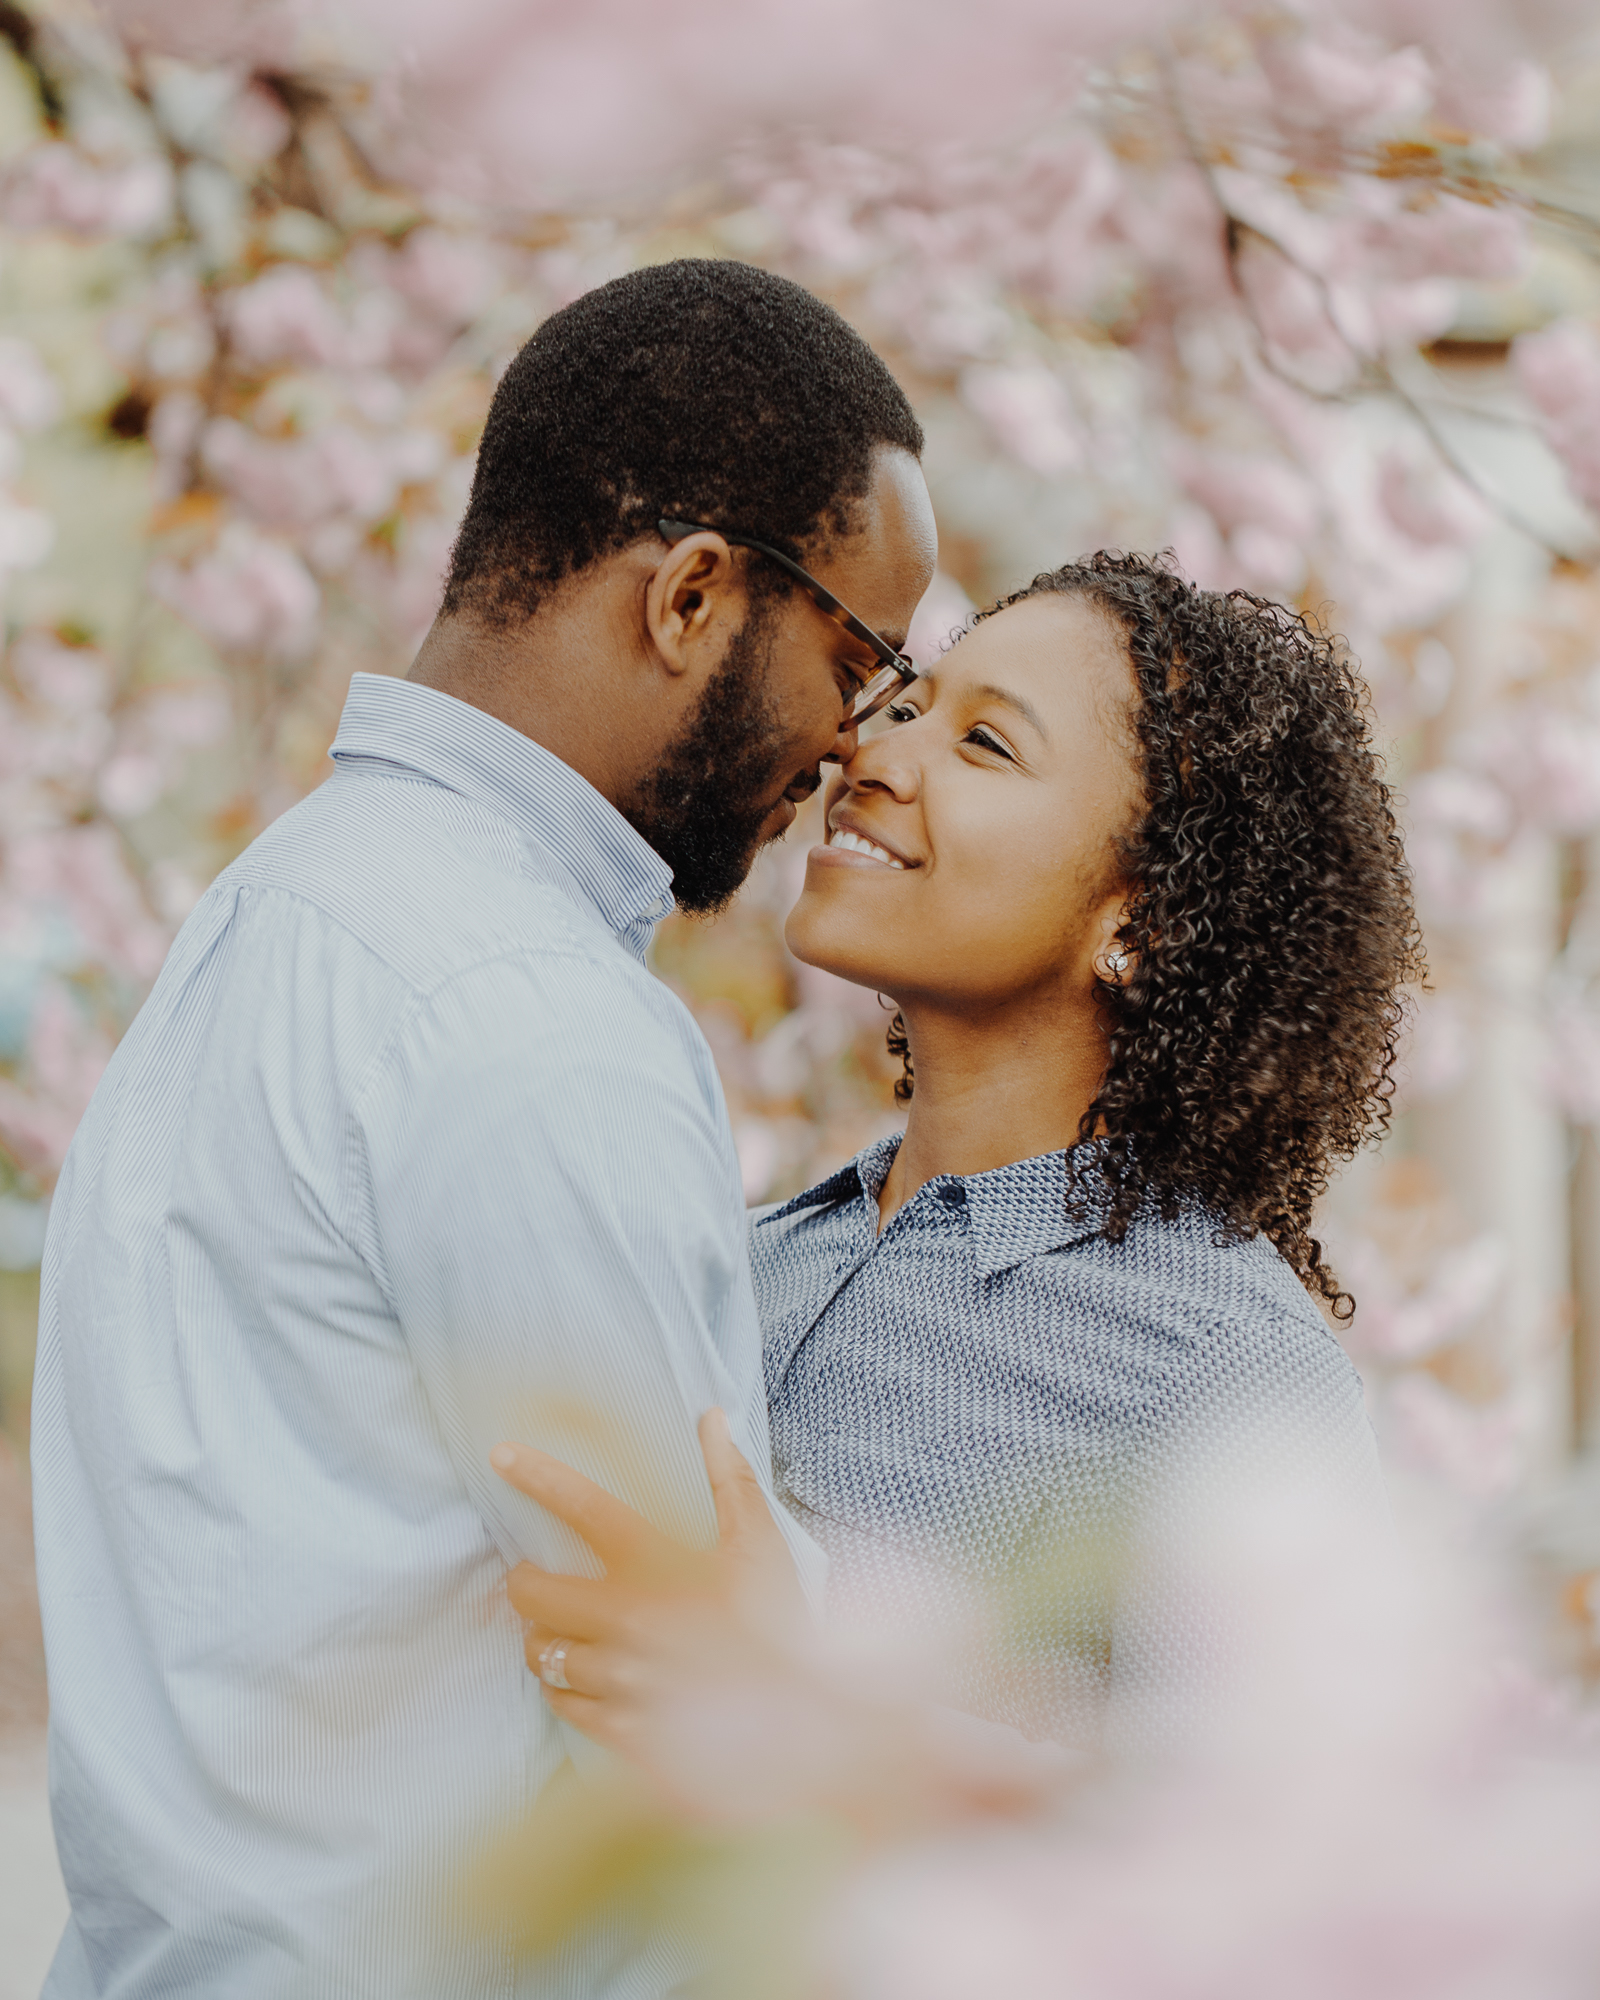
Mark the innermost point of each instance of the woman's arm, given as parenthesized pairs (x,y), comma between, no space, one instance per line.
(705,1670)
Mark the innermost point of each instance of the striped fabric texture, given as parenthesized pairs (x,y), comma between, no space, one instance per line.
(406,1152)
(998,1423)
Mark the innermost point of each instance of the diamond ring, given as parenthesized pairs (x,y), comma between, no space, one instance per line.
(553,1664)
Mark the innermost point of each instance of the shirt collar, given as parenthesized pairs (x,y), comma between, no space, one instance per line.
(404,725)
(1013,1212)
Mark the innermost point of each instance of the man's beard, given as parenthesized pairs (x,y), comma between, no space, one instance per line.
(703,807)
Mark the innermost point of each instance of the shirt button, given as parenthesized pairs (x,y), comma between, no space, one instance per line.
(952,1194)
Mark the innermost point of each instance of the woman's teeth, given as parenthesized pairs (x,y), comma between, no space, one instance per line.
(856,845)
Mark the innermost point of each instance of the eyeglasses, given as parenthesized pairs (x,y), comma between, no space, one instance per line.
(898,670)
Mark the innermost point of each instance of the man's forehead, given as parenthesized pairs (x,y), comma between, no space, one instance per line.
(893,544)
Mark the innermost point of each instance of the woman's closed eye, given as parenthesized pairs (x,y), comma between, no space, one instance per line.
(985,739)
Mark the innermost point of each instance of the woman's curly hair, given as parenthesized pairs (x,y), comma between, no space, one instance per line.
(1270,926)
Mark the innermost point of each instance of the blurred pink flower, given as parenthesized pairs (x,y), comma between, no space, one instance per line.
(1558,369)
(29,398)
(56,186)
(1029,411)
(1345,81)
(1510,103)
(1439,1047)
(27,535)
(83,872)
(448,274)
(336,470)
(66,1058)
(251,594)
(130,783)
(1476,1449)
(1426,500)
(1397,1323)
(1572,1069)
(74,679)
(286,315)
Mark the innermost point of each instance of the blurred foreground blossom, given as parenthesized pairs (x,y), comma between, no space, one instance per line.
(1375,1795)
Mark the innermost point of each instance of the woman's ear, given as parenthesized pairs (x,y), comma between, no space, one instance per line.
(1113,961)
(689,602)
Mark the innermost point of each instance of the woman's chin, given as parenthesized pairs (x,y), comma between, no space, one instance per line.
(819,938)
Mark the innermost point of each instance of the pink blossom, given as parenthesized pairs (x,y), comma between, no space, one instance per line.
(257,126)
(1029,411)
(29,398)
(1456,815)
(130,783)
(1572,1069)
(189,718)
(1346,81)
(83,871)
(1427,501)
(174,890)
(1397,1323)
(1549,760)
(251,594)
(285,315)
(415,586)
(1238,488)
(1510,103)
(74,679)
(1558,369)
(1292,311)
(448,274)
(336,470)
(67,1056)
(1439,1048)
(27,535)
(58,187)
(1476,1449)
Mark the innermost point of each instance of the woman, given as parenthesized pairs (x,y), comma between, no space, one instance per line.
(1126,864)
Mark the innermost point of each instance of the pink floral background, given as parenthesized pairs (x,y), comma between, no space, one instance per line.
(1308,295)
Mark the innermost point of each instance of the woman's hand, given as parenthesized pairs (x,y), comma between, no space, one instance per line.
(701,1668)
(666,1627)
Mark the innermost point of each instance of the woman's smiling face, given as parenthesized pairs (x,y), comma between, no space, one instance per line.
(971,858)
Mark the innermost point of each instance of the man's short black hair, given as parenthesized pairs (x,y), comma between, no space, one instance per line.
(702,389)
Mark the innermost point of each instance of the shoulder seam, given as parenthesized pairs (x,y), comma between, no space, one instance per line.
(573,946)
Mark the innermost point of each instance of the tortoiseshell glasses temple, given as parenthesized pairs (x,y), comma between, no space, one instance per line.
(897,671)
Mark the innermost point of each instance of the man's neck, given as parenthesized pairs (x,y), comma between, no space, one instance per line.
(547,677)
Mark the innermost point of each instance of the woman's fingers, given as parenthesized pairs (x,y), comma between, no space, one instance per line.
(578,1607)
(621,1538)
(742,1510)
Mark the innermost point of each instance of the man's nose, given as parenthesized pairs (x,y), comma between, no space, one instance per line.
(844,744)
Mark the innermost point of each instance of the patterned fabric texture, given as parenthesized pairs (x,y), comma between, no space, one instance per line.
(996,1421)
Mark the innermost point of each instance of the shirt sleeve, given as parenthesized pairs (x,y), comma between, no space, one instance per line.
(557,1218)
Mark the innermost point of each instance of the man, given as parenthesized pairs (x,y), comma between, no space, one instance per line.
(408,1152)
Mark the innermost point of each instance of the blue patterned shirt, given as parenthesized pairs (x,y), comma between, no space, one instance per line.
(989,1402)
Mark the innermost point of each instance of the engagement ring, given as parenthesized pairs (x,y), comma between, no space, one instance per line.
(553,1664)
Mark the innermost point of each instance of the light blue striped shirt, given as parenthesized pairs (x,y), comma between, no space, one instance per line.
(406,1152)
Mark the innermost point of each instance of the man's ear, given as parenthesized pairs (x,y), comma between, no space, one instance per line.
(695,599)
